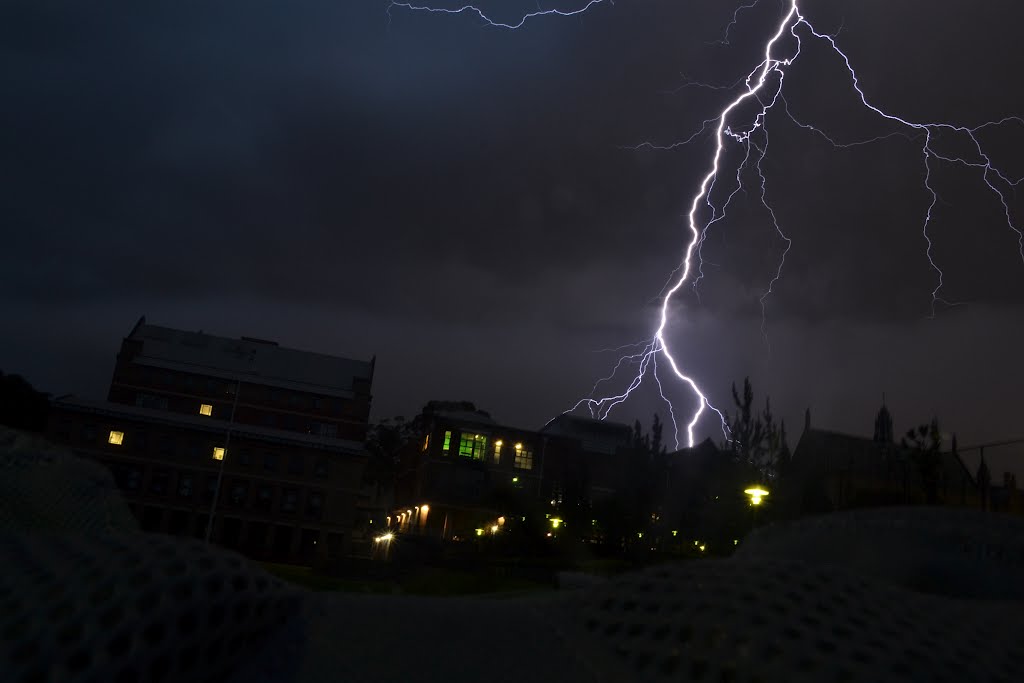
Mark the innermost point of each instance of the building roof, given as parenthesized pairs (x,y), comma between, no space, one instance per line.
(819,448)
(207,424)
(254,360)
(596,436)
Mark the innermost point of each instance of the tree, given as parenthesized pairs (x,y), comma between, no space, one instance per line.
(754,438)
(21,406)
(924,446)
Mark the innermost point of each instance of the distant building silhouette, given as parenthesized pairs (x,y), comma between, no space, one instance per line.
(883,425)
(291,470)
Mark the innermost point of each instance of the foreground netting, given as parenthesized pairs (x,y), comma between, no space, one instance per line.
(46,489)
(872,596)
(132,608)
(958,553)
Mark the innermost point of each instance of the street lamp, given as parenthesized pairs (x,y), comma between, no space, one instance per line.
(756,493)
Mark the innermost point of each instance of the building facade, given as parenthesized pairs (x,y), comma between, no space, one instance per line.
(268,439)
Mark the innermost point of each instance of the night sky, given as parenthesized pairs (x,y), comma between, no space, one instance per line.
(461,201)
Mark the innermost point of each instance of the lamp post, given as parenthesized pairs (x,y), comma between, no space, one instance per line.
(756,495)
(224,456)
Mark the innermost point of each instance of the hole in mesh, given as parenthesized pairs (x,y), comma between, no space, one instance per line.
(243,610)
(214,649)
(188,621)
(159,669)
(806,664)
(791,632)
(698,668)
(128,675)
(826,646)
(607,604)
(176,568)
(187,658)
(153,634)
(684,634)
(771,651)
(119,645)
(103,594)
(63,610)
(634,630)
(216,616)
(206,563)
(661,632)
(235,643)
(25,652)
(612,628)
(148,600)
(727,674)
(652,607)
(70,633)
(182,590)
(239,582)
(110,617)
(78,662)
(214,585)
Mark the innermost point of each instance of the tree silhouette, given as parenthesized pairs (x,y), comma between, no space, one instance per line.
(924,443)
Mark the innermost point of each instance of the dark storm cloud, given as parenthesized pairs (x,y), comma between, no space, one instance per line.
(225,165)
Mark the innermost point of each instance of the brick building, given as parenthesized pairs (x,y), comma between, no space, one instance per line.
(281,429)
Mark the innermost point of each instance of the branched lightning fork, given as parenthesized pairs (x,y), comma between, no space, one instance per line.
(763,85)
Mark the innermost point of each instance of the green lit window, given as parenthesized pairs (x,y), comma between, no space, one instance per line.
(524,457)
(447,442)
(473,446)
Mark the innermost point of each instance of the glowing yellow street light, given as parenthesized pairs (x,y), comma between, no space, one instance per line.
(384,538)
(494,528)
(756,493)
(556,522)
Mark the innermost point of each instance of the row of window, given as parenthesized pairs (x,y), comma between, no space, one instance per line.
(292,422)
(168,445)
(235,493)
(475,446)
(216,387)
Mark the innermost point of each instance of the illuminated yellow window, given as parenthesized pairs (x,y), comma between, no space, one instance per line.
(524,457)
(206,409)
(426,442)
(218,453)
(115,438)
(447,442)
(497,451)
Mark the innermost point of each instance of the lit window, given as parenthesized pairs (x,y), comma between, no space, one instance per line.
(426,442)
(447,442)
(115,438)
(524,457)
(473,446)
(497,451)
(218,453)
(206,409)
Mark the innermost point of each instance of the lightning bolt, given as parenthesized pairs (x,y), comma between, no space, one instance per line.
(763,85)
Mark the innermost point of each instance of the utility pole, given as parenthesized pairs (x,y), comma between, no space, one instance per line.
(227,442)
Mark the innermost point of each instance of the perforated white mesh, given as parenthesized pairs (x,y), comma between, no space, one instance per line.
(132,608)
(720,620)
(951,552)
(47,489)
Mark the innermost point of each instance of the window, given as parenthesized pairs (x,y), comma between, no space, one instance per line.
(211,488)
(245,457)
(151,401)
(167,445)
(270,462)
(447,442)
(158,482)
(320,468)
(264,498)
(116,438)
(218,453)
(497,451)
(185,485)
(317,404)
(194,449)
(289,500)
(314,505)
(238,493)
(426,443)
(295,464)
(473,446)
(269,420)
(524,457)
(89,432)
(206,409)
